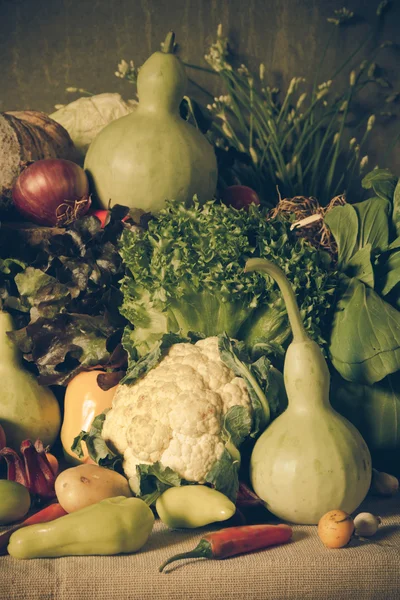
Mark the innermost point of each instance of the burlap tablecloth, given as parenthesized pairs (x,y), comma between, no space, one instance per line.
(302,569)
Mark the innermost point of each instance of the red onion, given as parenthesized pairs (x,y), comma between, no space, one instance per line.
(240,196)
(52,192)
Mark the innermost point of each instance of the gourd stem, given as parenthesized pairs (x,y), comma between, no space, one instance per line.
(168,46)
(266,266)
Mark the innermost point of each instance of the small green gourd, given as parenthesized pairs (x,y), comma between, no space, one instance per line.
(310,460)
(27,409)
(152,154)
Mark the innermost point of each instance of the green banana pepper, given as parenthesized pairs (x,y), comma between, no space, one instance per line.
(191,506)
(117,525)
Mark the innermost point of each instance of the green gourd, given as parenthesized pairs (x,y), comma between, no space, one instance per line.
(310,460)
(27,410)
(152,154)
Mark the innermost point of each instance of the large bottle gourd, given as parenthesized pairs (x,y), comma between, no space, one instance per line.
(27,410)
(151,155)
(310,460)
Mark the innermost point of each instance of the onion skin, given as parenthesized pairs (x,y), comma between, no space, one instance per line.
(52,192)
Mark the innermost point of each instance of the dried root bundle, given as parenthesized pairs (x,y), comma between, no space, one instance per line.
(307,218)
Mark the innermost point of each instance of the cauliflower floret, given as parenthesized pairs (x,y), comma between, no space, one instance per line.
(174,414)
(192,461)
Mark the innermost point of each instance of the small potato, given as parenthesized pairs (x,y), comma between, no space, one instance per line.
(335,529)
(87,484)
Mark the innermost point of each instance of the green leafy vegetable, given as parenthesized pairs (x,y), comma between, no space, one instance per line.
(373,223)
(388,275)
(154,480)
(9,268)
(343,224)
(382,181)
(365,341)
(223,475)
(356,226)
(185,273)
(365,337)
(396,208)
(360,266)
(253,375)
(237,425)
(64,295)
(97,448)
(373,409)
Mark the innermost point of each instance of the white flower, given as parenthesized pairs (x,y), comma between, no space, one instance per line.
(300,101)
(253,155)
(342,15)
(243,70)
(294,83)
(371,122)
(123,68)
(323,89)
(227,130)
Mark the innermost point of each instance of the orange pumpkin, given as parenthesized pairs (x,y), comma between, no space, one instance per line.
(84,400)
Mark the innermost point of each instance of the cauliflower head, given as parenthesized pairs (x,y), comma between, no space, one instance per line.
(175,413)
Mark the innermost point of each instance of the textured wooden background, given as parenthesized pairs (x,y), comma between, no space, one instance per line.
(48,45)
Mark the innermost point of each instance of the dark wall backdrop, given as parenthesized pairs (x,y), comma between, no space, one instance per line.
(48,45)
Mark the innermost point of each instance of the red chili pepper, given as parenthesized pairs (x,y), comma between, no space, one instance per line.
(236,540)
(51,512)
